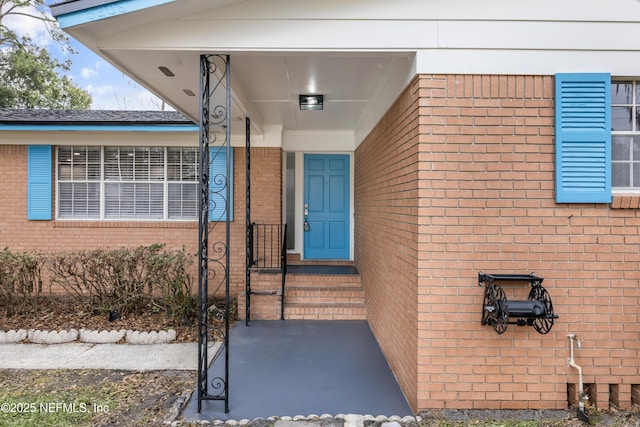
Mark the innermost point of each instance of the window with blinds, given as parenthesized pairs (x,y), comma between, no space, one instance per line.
(151,183)
(625,134)
(182,178)
(79,171)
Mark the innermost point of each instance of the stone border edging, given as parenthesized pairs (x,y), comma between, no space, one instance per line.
(37,336)
(51,337)
(153,337)
(349,420)
(13,336)
(101,337)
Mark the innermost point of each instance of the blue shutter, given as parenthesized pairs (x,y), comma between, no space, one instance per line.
(583,138)
(39,182)
(218,206)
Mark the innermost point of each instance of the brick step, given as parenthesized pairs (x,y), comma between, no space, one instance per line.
(342,311)
(294,259)
(323,295)
(312,291)
(265,299)
(322,281)
(333,307)
(265,283)
(325,302)
(263,307)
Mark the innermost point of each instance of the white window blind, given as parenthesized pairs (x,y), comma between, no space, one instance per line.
(625,134)
(182,177)
(134,182)
(152,183)
(79,182)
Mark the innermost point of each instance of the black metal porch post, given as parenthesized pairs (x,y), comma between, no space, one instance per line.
(213,267)
(249,230)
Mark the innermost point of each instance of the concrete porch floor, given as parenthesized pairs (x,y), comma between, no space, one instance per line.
(303,367)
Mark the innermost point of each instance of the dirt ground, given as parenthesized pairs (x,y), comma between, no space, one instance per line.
(62,313)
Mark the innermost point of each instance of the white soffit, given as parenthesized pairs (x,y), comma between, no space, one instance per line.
(359,53)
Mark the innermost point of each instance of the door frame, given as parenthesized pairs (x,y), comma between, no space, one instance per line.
(299,200)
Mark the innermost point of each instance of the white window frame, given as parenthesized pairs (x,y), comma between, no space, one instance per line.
(634,133)
(103,183)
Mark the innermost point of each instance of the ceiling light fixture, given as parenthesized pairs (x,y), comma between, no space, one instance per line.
(189,92)
(311,102)
(167,72)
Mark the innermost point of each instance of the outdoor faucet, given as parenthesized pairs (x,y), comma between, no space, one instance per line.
(582,412)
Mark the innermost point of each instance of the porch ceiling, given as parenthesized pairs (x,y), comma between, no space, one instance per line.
(266,76)
(266,85)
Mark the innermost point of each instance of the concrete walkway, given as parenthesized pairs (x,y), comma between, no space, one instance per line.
(128,357)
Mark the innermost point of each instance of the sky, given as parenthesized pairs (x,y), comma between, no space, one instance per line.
(109,87)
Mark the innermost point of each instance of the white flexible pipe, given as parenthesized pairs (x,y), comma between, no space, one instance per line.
(571,362)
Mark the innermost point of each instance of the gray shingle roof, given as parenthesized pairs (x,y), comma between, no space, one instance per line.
(68,6)
(92,117)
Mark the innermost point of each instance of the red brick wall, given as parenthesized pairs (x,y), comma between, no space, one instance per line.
(19,234)
(266,185)
(485,202)
(386,234)
(487,181)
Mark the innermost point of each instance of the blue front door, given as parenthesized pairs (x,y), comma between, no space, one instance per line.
(326,206)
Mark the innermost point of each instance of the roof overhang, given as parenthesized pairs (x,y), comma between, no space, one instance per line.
(359,54)
(274,58)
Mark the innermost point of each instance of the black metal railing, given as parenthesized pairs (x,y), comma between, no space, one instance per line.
(268,254)
(267,246)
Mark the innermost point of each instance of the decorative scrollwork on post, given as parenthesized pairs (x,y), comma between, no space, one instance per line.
(214,214)
(218,384)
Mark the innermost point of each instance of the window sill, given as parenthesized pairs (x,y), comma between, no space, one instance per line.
(124,224)
(625,201)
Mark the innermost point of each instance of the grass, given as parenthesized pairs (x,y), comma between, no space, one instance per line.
(51,410)
(56,398)
(52,401)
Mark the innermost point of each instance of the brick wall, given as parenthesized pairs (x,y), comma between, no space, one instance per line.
(386,203)
(485,202)
(19,234)
(487,180)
